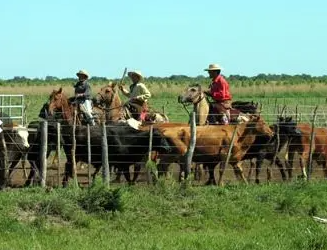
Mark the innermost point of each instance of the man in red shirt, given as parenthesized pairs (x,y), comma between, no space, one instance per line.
(219,91)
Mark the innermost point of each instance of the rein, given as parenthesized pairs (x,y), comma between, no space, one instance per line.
(194,103)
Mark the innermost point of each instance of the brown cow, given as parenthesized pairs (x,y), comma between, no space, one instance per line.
(300,143)
(212,143)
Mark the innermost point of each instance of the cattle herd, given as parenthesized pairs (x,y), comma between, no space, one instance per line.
(216,145)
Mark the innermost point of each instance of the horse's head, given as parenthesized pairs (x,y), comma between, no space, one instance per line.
(192,94)
(58,103)
(287,126)
(106,94)
(259,126)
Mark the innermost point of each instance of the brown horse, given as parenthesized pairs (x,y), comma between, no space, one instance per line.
(201,107)
(300,143)
(60,103)
(109,99)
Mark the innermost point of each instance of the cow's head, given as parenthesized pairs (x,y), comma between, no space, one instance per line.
(22,133)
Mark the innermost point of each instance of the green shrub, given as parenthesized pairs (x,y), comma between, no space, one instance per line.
(100,198)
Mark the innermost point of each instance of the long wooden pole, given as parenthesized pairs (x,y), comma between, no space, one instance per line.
(58,151)
(43,152)
(105,160)
(3,159)
(312,136)
(73,151)
(89,154)
(148,171)
(191,147)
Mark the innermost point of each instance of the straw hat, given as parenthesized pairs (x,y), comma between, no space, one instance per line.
(83,72)
(213,67)
(135,72)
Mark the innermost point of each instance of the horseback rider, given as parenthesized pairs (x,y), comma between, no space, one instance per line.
(138,95)
(83,95)
(219,91)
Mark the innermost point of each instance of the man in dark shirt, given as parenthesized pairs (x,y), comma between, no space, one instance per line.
(83,94)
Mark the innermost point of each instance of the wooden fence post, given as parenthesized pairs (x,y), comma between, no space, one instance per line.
(312,139)
(105,161)
(73,151)
(89,153)
(191,147)
(148,170)
(58,151)
(43,152)
(230,147)
(3,160)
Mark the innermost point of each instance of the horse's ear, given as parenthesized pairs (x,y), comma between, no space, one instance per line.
(60,90)
(113,85)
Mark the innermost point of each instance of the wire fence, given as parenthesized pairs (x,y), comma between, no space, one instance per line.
(314,134)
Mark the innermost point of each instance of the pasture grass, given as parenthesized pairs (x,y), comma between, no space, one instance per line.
(300,98)
(168,216)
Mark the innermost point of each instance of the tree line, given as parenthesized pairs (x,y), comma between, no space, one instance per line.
(178,79)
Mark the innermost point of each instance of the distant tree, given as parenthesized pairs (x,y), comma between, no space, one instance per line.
(51,78)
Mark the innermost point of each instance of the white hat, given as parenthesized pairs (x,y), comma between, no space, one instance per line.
(135,72)
(213,67)
(83,72)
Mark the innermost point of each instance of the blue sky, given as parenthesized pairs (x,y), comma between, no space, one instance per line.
(162,38)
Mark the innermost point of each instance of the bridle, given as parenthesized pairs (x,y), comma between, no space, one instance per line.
(104,100)
(198,99)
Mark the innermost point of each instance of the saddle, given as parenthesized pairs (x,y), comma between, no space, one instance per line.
(238,112)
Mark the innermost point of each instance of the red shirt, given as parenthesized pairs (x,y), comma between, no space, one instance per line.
(219,89)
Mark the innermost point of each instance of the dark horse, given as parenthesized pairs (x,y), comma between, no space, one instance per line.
(203,109)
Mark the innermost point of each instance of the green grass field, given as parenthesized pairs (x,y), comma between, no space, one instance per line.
(301,97)
(167,216)
(170,215)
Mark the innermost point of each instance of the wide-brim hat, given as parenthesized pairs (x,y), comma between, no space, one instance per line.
(135,72)
(82,72)
(213,67)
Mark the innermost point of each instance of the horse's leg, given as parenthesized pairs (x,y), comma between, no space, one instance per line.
(198,169)
(137,170)
(68,173)
(281,168)
(289,163)
(118,173)
(252,166)
(125,169)
(32,174)
(238,171)
(303,163)
(221,173)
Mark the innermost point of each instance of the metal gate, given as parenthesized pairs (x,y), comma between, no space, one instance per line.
(12,109)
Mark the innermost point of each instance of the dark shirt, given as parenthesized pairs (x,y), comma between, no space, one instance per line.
(83,87)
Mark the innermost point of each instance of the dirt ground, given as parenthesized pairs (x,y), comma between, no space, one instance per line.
(54,176)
